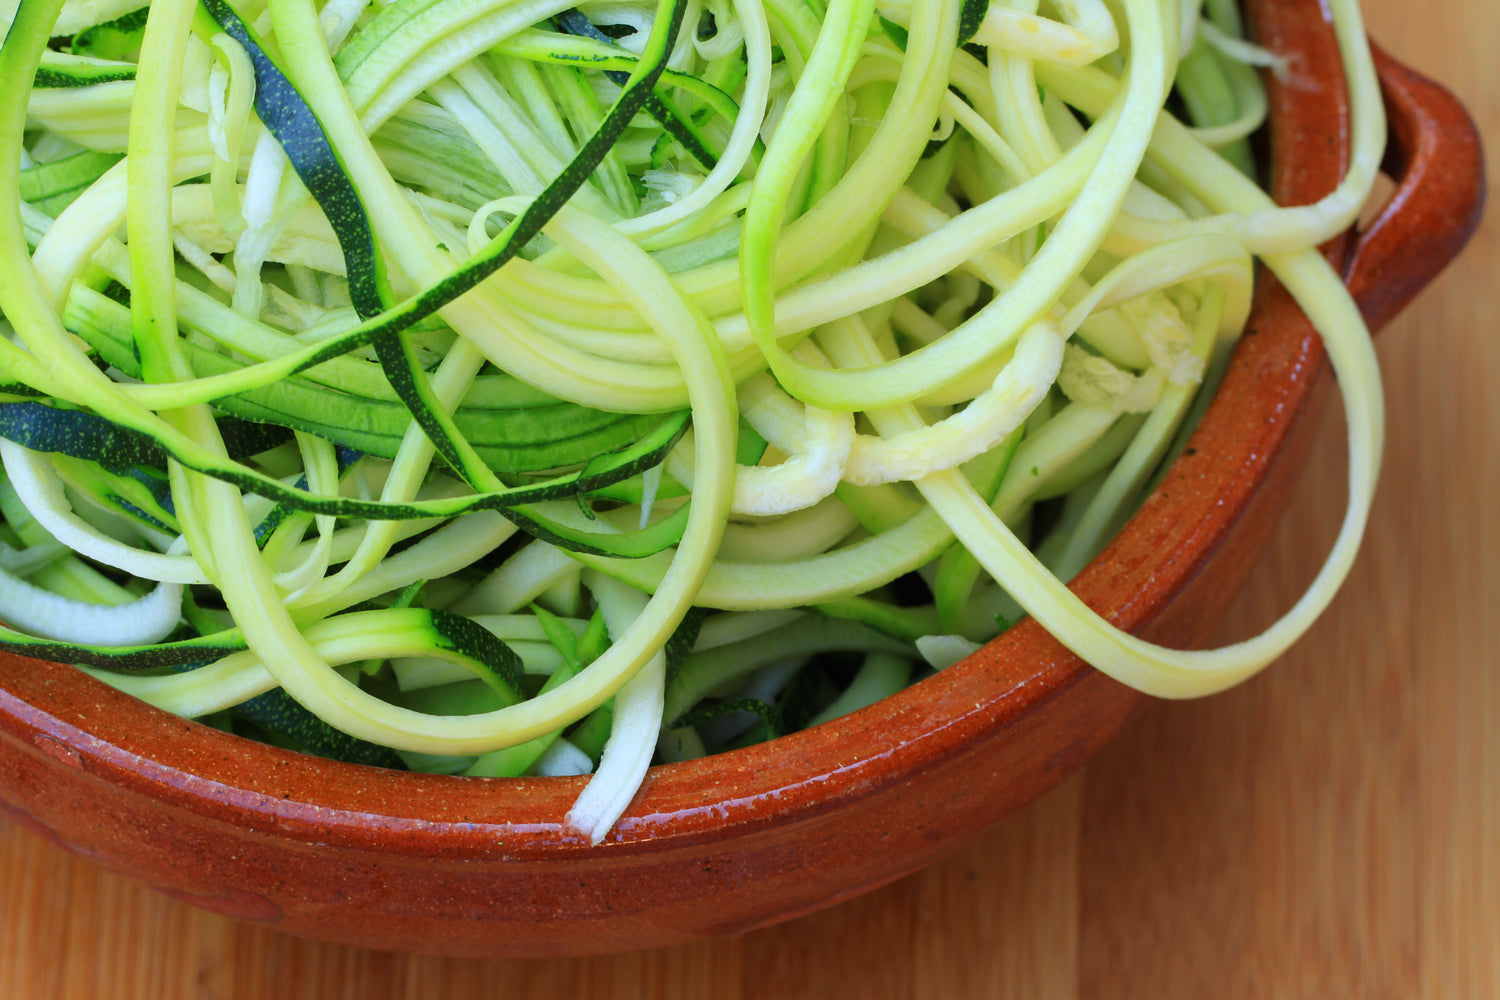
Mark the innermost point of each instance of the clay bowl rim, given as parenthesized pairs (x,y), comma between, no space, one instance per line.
(188,766)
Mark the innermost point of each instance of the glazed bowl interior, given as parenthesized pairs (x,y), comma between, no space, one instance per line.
(725,843)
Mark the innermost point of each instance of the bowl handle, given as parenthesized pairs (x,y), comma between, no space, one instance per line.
(1437,162)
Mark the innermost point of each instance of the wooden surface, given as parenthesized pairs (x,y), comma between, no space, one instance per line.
(1331,829)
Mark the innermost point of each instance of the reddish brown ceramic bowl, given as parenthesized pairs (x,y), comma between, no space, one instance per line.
(484,867)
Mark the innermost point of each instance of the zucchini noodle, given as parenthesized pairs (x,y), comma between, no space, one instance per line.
(511,388)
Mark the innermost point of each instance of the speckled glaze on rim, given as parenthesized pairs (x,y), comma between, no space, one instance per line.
(473,866)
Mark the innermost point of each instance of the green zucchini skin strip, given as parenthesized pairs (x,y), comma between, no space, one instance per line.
(84,435)
(970,16)
(634,545)
(114,37)
(489,658)
(277,713)
(402,369)
(656,106)
(481,652)
(59,72)
(684,638)
(285,113)
(179,653)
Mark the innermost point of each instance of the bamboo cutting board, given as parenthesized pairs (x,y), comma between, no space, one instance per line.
(1330,829)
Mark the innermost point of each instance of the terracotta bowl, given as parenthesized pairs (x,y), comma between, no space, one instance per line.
(484,867)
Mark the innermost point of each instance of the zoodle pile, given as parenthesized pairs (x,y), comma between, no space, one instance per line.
(509,387)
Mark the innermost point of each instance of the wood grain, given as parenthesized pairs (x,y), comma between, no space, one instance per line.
(1331,829)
